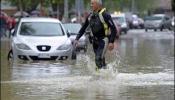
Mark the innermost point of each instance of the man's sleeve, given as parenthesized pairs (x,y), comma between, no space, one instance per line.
(83,28)
(112,27)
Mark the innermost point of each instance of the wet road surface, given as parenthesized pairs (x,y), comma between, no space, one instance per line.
(140,68)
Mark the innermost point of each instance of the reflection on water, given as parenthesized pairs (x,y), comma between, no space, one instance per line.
(122,87)
(146,54)
(142,68)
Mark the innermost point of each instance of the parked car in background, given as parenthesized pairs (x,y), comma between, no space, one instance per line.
(128,16)
(118,27)
(172,23)
(151,23)
(135,21)
(73,29)
(164,19)
(155,22)
(141,23)
(122,21)
(40,39)
(169,24)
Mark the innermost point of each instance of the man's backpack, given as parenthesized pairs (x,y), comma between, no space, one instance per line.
(97,23)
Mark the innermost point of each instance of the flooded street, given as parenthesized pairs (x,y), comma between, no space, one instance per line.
(140,68)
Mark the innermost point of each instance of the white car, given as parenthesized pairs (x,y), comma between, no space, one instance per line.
(156,21)
(41,39)
(122,21)
(73,29)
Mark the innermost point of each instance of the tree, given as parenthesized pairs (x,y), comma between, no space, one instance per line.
(137,6)
(26,5)
(173,5)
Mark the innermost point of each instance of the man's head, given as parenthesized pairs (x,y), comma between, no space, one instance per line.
(96,5)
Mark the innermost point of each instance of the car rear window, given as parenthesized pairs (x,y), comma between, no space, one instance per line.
(119,19)
(154,18)
(41,29)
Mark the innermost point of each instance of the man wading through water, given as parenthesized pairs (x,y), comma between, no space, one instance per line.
(100,23)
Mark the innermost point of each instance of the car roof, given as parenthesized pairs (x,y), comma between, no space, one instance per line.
(118,15)
(71,23)
(159,15)
(39,19)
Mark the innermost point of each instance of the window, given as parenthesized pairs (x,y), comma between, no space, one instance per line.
(41,29)
(73,28)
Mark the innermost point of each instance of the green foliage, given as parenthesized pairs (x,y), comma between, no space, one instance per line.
(144,5)
(56,1)
(26,4)
(121,5)
(32,4)
(111,5)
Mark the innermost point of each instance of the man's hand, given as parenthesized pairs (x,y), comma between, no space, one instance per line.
(111,46)
(75,43)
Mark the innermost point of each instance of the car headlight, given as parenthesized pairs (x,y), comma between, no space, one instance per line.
(135,22)
(172,23)
(23,46)
(64,47)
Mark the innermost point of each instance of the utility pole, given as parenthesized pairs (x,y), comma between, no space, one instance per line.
(41,8)
(58,14)
(20,7)
(79,6)
(65,10)
(133,6)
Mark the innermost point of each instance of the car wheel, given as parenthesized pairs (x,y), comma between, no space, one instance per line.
(169,28)
(10,56)
(146,30)
(125,31)
(142,26)
(161,29)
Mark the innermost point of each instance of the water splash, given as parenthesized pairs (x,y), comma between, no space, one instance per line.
(141,79)
(107,77)
(105,74)
(126,79)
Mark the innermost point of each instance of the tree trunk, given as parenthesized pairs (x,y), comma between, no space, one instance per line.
(20,7)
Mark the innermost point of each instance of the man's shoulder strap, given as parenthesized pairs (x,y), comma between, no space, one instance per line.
(103,21)
(101,16)
(102,10)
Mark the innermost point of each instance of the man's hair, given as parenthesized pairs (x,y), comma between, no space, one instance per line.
(98,1)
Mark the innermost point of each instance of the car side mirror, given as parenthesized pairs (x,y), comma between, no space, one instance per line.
(68,33)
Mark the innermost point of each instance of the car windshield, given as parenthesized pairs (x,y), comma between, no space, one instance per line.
(119,19)
(154,18)
(73,28)
(41,29)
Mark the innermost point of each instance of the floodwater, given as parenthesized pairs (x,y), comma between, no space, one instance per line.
(140,68)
